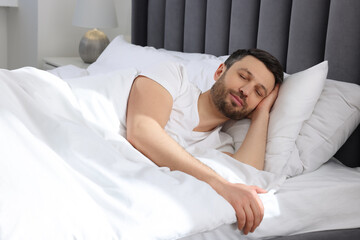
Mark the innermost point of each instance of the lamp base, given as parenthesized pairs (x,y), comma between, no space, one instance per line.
(92,44)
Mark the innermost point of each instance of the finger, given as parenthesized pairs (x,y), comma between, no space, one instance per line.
(241,218)
(261,208)
(249,219)
(258,208)
(257,215)
(276,88)
(274,93)
(259,189)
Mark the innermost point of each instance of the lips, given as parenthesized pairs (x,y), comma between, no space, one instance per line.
(237,100)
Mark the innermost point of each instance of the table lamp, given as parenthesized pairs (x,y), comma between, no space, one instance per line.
(94,14)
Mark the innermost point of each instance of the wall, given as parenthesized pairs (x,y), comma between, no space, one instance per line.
(22,31)
(3,37)
(123,10)
(57,37)
(43,28)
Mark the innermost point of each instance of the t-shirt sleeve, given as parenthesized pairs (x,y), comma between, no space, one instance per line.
(170,75)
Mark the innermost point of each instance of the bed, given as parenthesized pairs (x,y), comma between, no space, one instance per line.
(299,33)
(67,172)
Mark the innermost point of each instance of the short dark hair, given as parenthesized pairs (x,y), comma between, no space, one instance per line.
(269,60)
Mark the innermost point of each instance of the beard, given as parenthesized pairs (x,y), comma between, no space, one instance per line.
(230,110)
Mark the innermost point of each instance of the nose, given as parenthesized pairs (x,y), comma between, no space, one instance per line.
(242,94)
(245,90)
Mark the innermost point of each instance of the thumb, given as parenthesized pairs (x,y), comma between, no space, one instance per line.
(259,189)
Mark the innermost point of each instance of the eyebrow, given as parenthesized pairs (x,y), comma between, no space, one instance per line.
(252,76)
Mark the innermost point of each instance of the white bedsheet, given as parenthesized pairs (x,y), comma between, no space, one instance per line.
(69,71)
(325,199)
(63,178)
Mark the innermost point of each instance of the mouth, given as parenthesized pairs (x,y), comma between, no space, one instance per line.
(237,100)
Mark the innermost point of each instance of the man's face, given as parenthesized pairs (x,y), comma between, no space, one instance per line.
(239,89)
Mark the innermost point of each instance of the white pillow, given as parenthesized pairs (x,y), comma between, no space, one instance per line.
(120,54)
(335,117)
(200,67)
(294,105)
(192,56)
(201,72)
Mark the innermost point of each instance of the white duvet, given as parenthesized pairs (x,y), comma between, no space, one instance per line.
(61,177)
(326,199)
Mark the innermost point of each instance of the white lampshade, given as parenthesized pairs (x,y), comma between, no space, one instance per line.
(95,14)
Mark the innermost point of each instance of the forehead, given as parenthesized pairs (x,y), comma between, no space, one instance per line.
(257,71)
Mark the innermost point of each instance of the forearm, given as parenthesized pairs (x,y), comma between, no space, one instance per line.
(152,140)
(252,150)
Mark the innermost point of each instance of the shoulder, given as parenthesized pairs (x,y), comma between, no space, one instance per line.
(171,75)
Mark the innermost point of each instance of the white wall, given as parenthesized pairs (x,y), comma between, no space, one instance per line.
(43,28)
(3,38)
(123,10)
(56,35)
(22,31)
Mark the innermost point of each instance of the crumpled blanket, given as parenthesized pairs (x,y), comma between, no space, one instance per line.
(62,177)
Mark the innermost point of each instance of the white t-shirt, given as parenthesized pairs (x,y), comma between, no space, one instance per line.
(184,116)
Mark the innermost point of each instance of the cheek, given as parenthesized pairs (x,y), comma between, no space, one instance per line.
(253,102)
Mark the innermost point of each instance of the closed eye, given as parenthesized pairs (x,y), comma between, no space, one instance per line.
(242,76)
(259,93)
(261,90)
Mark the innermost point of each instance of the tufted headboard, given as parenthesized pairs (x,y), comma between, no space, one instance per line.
(300,33)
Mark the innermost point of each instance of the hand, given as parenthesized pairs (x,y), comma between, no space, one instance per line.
(266,104)
(246,203)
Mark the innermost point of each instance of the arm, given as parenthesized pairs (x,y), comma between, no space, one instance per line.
(148,111)
(252,151)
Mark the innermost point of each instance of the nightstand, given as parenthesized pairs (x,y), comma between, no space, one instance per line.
(54,62)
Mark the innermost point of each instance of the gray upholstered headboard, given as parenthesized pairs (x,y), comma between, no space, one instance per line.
(300,33)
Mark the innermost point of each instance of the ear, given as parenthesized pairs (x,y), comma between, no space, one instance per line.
(219,71)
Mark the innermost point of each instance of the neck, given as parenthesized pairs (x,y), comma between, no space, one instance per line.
(209,116)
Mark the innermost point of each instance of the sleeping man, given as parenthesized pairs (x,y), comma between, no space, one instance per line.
(166,114)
